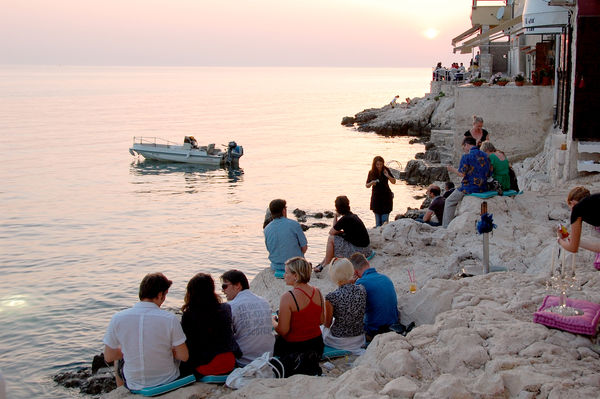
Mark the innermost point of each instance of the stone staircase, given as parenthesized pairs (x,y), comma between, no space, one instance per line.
(444,146)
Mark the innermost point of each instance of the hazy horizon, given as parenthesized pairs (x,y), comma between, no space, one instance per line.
(230,33)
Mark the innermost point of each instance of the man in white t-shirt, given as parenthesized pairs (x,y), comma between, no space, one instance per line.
(252,326)
(146,342)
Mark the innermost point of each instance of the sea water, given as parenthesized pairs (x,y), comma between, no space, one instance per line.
(83,221)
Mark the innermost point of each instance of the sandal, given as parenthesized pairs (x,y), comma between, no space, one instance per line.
(318,268)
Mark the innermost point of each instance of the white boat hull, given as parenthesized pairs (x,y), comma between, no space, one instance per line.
(183,154)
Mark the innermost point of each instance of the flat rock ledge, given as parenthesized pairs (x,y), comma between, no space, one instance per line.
(414,119)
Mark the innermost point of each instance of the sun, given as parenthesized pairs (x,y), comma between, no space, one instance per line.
(431,33)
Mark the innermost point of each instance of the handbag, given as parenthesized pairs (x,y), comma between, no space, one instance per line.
(261,367)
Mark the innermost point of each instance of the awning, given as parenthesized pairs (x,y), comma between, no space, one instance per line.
(465,34)
(540,18)
(491,34)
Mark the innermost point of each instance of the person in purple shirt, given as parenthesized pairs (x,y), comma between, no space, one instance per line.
(474,169)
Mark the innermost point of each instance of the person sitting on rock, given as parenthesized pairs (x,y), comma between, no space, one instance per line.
(474,169)
(448,189)
(498,163)
(284,237)
(347,236)
(382,303)
(146,342)
(435,208)
(477,131)
(393,103)
(584,208)
(251,315)
(345,309)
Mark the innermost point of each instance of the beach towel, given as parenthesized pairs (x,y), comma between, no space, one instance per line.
(490,194)
(171,386)
(279,273)
(330,353)
(213,379)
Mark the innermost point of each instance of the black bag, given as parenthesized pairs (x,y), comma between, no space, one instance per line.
(514,185)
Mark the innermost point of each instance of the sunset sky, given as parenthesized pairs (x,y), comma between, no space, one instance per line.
(361,33)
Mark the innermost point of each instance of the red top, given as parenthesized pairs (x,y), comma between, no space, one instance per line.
(304,324)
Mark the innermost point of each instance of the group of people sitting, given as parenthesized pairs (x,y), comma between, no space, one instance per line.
(150,347)
(482,168)
(285,239)
(455,73)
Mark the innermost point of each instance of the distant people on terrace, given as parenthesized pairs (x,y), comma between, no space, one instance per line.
(585,207)
(301,312)
(477,131)
(474,169)
(382,198)
(208,326)
(347,236)
(382,302)
(435,208)
(345,309)
(498,163)
(284,237)
(251,315)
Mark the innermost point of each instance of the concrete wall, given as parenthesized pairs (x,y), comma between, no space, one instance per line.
(517,118)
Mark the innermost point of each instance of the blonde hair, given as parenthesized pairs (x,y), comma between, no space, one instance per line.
(340,269)
(578,193)
(477,119)
(300,267)
(486,146)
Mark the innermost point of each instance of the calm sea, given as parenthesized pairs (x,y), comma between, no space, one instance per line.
(83,221)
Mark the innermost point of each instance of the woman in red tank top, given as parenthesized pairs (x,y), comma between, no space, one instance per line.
(301,312)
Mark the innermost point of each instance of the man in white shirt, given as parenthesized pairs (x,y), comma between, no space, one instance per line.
(147,342)
(252,326)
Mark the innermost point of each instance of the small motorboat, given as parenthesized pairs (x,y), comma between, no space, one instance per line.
(164,150)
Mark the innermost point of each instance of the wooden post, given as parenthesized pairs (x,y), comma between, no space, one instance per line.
(486,244)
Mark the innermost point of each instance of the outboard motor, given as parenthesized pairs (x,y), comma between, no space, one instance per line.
(234,152)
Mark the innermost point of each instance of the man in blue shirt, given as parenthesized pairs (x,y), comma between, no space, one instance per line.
(474,169)
(284,237)
(382,302)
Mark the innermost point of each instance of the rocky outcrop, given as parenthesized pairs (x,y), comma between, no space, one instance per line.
(416,118)
(421,173)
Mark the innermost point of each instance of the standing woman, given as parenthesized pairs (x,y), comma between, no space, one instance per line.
(477,131)
(299,343)
(382,198)
(207,324)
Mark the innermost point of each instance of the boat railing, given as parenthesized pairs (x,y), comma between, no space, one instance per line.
(154,141)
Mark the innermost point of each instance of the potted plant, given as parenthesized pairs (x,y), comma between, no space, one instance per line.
(519,80)
(502,81)
(478,81)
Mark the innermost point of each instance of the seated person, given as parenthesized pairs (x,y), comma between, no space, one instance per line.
(474,169)
(435,208)
(584,208)
(208,326)
(284,237)
(345,309)
(448,189)
(251,313)
(347,236)
(382,302)
(301,312)
(498,163)
(149,356)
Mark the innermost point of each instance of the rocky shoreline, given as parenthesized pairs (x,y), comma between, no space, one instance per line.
(474,334)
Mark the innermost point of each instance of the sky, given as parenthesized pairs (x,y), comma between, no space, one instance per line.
(340,33)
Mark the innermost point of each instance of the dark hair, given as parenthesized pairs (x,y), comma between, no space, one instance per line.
(469,140)
(435,190)
(359,261)
(236,277)
(449,185)
(276,207)
(374,171)
(153,284)
(200,294)
(342,205)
